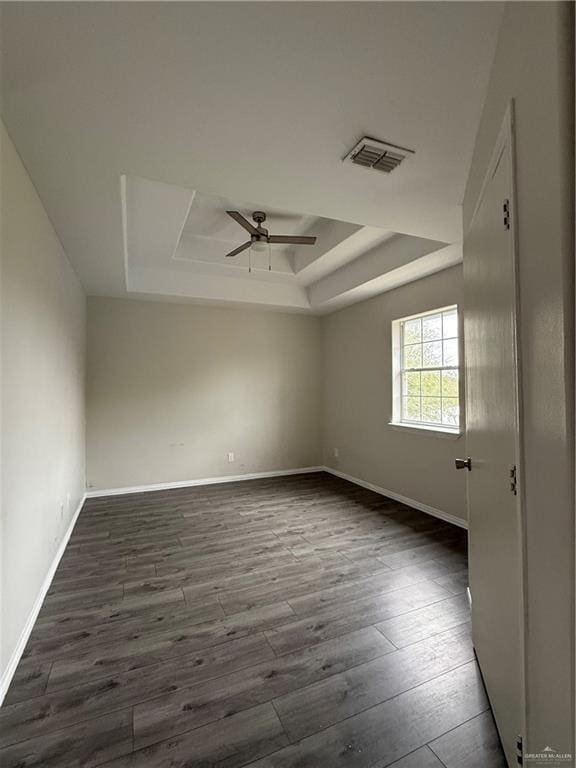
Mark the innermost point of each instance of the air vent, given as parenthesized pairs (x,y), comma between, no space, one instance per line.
(372,153)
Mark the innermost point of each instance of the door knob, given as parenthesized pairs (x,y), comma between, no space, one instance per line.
(463,463)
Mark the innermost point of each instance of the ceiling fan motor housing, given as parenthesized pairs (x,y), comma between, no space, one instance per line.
(259,217)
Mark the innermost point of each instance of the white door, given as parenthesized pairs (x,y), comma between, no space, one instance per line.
(492,441)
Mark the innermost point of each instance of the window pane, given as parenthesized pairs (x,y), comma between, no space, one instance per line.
(432,410)
(411,384)
(451,352)
(431,327)
(428,385)
(450,411)
(413,356)
(412,331)
(432,354)
(411,409)
(431,383)
(450,324)
(450,383)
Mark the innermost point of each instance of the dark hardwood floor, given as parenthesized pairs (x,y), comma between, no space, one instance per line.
(294,622)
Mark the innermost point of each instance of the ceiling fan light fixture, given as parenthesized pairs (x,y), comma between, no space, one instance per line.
(259,234)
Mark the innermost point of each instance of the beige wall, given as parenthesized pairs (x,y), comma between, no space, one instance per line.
(42,382)
(357,395)
(173,387)
(534,65)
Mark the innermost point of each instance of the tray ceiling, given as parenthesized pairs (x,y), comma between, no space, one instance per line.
(176,240)
(168,92)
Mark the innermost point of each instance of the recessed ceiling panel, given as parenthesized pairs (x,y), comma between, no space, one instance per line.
(176,241)
(209,233)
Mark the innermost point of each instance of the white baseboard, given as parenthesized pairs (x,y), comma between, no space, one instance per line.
(201,481)
(447,517)
(8,674)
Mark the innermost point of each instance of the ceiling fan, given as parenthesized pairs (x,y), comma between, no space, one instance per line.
(259,234)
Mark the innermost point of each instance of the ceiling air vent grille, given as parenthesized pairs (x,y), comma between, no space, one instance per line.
(372,153)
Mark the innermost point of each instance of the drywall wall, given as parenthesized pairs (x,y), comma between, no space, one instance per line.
(172,388)
(42,382)
(357,399)
(534,65)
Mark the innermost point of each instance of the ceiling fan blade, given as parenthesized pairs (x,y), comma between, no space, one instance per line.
(296,239)
(243,222)
(240,248)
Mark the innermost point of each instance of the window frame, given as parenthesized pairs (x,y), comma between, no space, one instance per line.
(397,422)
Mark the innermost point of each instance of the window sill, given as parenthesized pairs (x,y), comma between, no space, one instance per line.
(420,429)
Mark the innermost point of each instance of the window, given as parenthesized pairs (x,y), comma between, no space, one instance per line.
(426,375)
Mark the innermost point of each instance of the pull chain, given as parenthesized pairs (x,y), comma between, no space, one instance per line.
(250,258)
(269,258)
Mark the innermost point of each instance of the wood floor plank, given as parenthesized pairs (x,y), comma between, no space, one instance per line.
(136,650)
(229,743)
(30,679)
(97,580)
(456,583)
(86,745)
(65,613)
(65,633)
(182,555)
(424,622)
(420,758)
(454,559)
(419,554)
(186,709)
(208,569)
(474,744)
(381,582)
(317,706)
(385,543)
(335,620)
(64,708)
(268,573)
(85,598)
(332,574)
(392,729)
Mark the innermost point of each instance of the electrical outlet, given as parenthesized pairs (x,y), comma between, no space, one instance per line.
(336,453)
(230,457)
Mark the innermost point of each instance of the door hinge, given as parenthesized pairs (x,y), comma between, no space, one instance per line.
(513,480)
(506,213)
(520,750)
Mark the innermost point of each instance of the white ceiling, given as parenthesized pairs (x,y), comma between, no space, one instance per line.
(250,102)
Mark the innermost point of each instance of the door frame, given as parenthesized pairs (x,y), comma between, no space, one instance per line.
(507,135)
